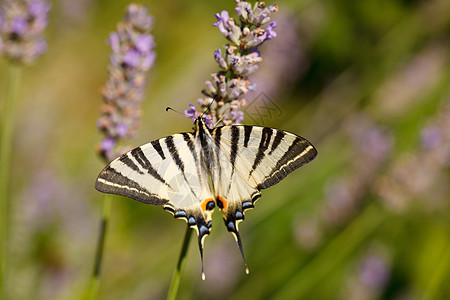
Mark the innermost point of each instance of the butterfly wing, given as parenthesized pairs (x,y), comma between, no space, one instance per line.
(252,158)
(167,172)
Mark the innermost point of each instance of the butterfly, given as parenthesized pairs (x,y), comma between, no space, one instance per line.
(189,174)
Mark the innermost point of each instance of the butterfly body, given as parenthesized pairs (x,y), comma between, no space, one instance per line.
(189,174)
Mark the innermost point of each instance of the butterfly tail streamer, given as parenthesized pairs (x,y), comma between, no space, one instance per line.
(232,227)
(202,233)
(200,246)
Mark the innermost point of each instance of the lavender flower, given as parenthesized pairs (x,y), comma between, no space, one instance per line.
(224,91)
(284,63)
(372,146)
(421,176)
(431,137)
(132,56)
(22,23)
(371,276)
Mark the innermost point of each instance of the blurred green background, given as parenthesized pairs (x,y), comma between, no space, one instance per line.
(367,82)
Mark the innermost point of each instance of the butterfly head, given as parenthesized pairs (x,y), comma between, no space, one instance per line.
(204,122)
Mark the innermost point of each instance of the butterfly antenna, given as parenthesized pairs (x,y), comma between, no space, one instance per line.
(170,108)
(232,227)
(209,106)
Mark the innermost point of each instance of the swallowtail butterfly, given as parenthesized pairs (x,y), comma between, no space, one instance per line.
(190,173)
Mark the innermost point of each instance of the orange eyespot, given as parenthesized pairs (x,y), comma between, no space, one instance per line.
(222,203)
(205,202)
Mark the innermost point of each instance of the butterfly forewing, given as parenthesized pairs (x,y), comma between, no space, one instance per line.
(255,158)
(164,171)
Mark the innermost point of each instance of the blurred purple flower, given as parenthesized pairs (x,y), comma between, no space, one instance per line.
(374,271)
(132,58)
(114,42)
(108,144)
(74,13)
(407,181)
(148,60)
(138,17)
(431,137)
(371,276)
(21,28)
(372,145)
(144,43)
(122,129)
(132,55)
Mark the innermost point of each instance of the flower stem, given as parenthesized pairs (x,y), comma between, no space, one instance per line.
(6,139)
(176,279)
(95,279)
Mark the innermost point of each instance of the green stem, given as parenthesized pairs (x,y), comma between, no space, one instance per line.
(6,137)
(176,279)
(95,279)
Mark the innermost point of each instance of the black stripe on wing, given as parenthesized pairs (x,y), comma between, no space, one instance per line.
(176,156)
(157,146)
(188,139)
(234,145)
(299,153)
(217,137)
(277,140)
(142,160)
(263,146)
(247,132)
(234,151)
(174,153)
(127,161)
(113,182)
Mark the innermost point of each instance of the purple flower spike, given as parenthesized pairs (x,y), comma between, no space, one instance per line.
(21,30)
(132,55)
(223,93)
